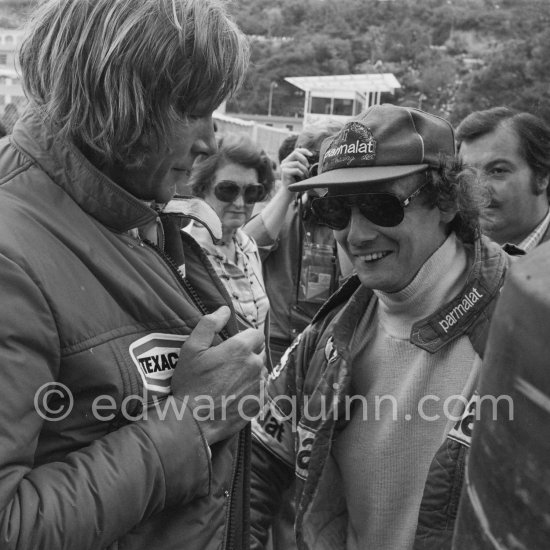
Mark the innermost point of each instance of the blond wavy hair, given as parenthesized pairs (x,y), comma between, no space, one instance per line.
(114,76)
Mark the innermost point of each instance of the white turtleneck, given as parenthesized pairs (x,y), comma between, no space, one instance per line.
(384,459)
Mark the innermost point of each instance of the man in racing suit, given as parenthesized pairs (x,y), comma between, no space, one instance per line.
(378,383)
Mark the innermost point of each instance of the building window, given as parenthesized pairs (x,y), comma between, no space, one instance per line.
(3,59)
(320,105)
(343,107)
(290,127)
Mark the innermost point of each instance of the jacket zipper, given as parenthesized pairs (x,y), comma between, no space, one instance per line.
(239,470)
(239,462)
(190,291)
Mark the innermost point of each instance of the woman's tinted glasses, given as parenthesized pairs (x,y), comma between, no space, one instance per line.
(228,191)
(383,209)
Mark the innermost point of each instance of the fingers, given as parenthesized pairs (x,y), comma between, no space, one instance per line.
(249,340)
(295,166)
(298,157)
(203,334)
(301,154)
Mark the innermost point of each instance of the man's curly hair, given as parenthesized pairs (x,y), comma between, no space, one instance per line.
(452,186)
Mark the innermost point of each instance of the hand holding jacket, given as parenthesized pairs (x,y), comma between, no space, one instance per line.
(228,373)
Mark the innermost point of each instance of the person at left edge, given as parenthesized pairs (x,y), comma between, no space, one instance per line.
(101,443)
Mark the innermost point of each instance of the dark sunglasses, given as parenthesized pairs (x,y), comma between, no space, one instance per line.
(228,191)
(383,209)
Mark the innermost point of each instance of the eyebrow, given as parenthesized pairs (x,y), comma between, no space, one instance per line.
(492,162)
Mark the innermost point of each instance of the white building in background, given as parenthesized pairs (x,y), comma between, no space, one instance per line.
(343,96)
(335,97)
(340,96)
(12,98)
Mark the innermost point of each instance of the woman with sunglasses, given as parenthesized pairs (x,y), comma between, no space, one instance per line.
(232,181)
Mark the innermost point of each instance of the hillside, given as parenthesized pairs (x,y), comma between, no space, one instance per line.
(450,56)
(14,12)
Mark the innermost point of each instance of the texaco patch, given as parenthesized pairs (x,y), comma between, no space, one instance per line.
(156,356)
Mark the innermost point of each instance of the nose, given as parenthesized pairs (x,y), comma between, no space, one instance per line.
(205,143)
(488,186)
(239,201)
(360,230)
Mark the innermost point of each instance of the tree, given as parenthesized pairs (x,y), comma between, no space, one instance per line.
(434,47)
(500,82)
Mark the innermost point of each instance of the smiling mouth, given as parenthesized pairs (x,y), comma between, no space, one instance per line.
(373,257)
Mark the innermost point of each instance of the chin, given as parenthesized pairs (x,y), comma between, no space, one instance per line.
(232,226)
(165,195)
(490,218)
(493,228)
(368,281)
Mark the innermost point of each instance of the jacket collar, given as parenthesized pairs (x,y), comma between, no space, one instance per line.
(92,190)
(462,315)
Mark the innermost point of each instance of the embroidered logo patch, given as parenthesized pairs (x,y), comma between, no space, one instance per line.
(156,356)
(353,146)
(274,431)
(303,454)
(462,431)
(460,308)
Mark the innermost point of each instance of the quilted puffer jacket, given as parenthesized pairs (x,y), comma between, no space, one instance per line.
(94,318)
(316,370)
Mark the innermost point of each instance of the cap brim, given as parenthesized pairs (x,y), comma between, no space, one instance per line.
(357,174)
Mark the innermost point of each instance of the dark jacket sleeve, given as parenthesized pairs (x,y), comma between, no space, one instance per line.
(273,445)
(91,496)
(438,511)
(439,506)
(270,478)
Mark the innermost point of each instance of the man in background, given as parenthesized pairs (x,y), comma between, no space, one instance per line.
(300,256)
(511,150)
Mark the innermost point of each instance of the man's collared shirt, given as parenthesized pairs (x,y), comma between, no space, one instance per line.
(534,238)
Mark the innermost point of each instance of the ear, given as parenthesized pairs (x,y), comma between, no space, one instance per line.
(447,216)
(542,183)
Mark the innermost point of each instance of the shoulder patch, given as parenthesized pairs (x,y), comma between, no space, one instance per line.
(461,309)
(156,356)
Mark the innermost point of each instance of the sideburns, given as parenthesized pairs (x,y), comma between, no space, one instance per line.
(539,183)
